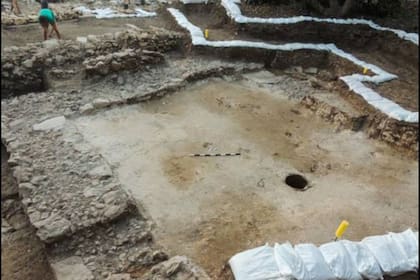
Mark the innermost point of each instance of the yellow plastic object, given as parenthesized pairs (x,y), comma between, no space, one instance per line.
(206,33)
(341,229)
(365,70)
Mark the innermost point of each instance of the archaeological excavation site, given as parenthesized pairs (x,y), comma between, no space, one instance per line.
(209,139)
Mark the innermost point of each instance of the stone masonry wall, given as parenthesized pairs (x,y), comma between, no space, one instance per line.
(24,68)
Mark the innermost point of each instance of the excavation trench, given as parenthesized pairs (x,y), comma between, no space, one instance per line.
(384,49)
(209,208)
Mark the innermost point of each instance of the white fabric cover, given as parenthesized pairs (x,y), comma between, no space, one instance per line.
(255,264)
(314,262)
(339,261)
(366,263)
(407,240)
(391,258)
(290,265)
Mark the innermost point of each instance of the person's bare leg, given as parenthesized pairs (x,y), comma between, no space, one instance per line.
(45,32)
(54,26)
(15,7)
(51,33)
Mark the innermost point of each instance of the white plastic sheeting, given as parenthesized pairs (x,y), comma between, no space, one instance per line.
(314,262)
(255,264)
(406,240)
(365,261)
(390,256)
(289,263)
(110,13)
(354,82)
(339,261)
(234,12)
(371,258)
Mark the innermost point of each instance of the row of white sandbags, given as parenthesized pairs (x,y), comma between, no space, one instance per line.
(391,254)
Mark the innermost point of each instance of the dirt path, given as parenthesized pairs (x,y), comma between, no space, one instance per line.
(22,253)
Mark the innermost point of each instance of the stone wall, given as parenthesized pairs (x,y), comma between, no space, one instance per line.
(127,59)
(400,135)
(396,133)
(24,68)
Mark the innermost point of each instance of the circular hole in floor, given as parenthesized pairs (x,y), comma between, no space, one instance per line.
(296,181)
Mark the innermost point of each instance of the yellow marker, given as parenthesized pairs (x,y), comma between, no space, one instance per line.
(365,70)
(206,33)
(341,229)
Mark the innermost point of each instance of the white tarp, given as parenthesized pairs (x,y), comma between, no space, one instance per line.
(389,255)
(339,261)
(406,240)
(255,264)
(354,82)
(371,258)
(314,262)
(364,260)
(290,265)
(110,13)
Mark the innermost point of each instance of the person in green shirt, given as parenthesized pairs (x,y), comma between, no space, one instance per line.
(46,18)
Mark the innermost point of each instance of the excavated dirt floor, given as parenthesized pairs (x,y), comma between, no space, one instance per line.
(210,208)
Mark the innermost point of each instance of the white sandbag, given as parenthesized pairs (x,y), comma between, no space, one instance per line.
(289,263)
(339,261)
(255,264)
(314,262)
(392,260)
(365,262)
(409,244)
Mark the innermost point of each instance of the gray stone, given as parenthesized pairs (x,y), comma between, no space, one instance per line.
(120,80)
(121,276)
(36,180)
(35,216)
(56,123)
(72,268)
(311,70)
(13,160)
(82,40)
(178,267)
(93,192)
(100,172)
(86,109)
(114,211)
(92,38)
(52,228)
(28,63)
(50,44)
(26,189)
(111,196)
(100,103)
(6,227)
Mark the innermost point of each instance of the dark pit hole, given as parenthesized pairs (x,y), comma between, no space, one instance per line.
(296,181)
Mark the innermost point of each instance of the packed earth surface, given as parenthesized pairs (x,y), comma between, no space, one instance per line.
(129,151)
